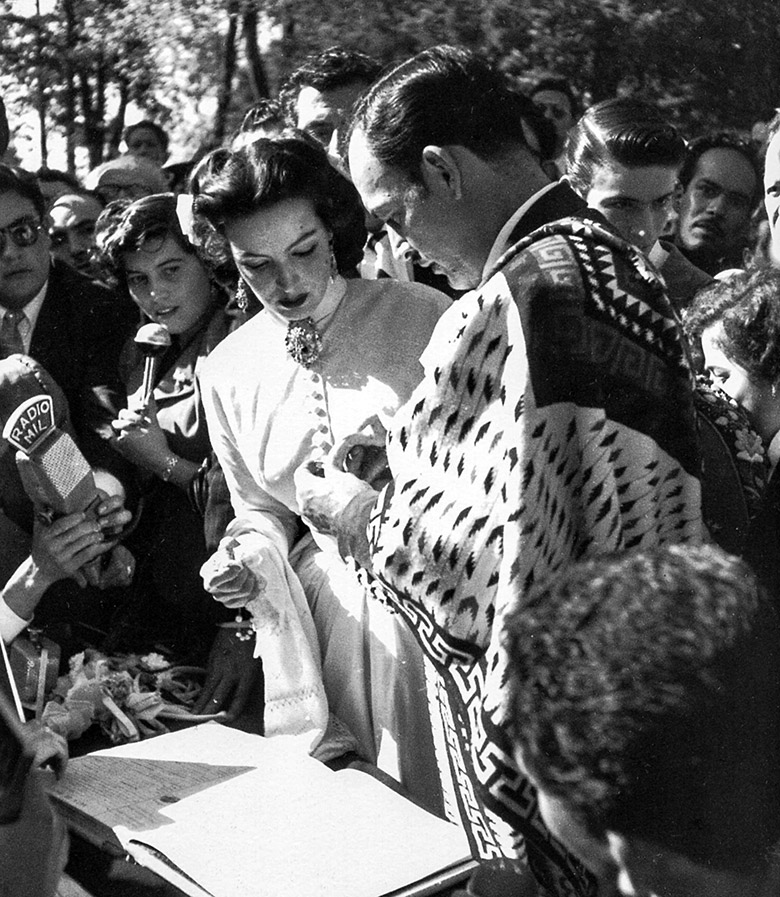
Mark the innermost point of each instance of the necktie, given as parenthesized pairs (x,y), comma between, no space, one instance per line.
(11,340)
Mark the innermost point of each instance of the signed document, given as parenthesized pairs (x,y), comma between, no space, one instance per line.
(229,814)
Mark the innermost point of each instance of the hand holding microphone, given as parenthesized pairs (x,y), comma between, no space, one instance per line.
(153,340)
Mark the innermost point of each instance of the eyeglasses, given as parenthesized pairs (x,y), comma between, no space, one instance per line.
(23,233)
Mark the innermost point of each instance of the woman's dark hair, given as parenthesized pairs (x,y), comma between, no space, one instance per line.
(126,226)
(748,306)
(231,184)
(623,130)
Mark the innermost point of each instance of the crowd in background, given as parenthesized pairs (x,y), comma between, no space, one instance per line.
(458,453)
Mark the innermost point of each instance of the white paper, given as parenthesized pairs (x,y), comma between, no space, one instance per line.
(290,826)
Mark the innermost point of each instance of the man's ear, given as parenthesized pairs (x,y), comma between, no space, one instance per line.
(441,171)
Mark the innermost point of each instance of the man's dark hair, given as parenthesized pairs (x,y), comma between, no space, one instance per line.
(54,175)
(147,125)
(264,112)
(643,693)
(624,130)
(328,70)
(559,85)
(723,140)
(25,183)
(447,96)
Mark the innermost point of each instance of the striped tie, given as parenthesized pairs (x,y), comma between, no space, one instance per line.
(11,340)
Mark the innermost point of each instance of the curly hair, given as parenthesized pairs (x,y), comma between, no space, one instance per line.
(748,305)
(126,226)
(625,130)
(642,690)
(231,184)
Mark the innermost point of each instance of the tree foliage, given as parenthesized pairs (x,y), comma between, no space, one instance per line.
(194,65)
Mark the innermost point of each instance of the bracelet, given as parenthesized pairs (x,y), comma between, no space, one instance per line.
(170,465)
(240,624)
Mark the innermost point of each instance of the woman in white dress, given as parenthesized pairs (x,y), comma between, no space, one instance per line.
(325,355)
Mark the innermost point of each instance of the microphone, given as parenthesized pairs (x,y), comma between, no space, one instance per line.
(55,474)
(153,340)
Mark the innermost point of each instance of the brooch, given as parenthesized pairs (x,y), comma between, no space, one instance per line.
(303,342)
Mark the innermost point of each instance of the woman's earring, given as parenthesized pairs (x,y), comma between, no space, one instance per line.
(242,300)
(334,267)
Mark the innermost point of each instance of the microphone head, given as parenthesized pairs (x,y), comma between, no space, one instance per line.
(153,339)
(30,423)
(54,473)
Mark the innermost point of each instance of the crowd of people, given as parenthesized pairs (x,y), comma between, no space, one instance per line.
(461,441)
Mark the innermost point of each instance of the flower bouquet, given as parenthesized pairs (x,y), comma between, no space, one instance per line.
(128,696)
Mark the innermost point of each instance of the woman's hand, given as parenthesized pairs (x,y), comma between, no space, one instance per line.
(60,549)
(232,674)
(227,577)
(140,438)
(50,749)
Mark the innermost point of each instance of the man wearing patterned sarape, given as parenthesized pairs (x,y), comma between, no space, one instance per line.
(555,420)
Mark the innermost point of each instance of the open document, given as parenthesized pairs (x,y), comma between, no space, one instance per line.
(218,810)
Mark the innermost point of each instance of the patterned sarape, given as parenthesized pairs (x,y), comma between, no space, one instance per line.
(556,420)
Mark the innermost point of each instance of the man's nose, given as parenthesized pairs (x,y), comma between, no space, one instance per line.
(717,204)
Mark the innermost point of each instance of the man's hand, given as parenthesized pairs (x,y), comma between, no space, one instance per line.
(61,549)
(118,571)
(232,672)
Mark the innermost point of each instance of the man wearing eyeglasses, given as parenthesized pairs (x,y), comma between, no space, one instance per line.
(73,327)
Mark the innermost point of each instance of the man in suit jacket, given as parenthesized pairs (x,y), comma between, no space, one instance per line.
(555,420)
(73,328)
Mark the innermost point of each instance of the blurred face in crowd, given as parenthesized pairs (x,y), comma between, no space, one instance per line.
(555,106)
(121,183)
(772,194)
(24,251)
(756,397)
(637,202)
(283,253)
(72,230)
(145,143)
(170,285)
(422,213)
(323,113)
(716,204)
